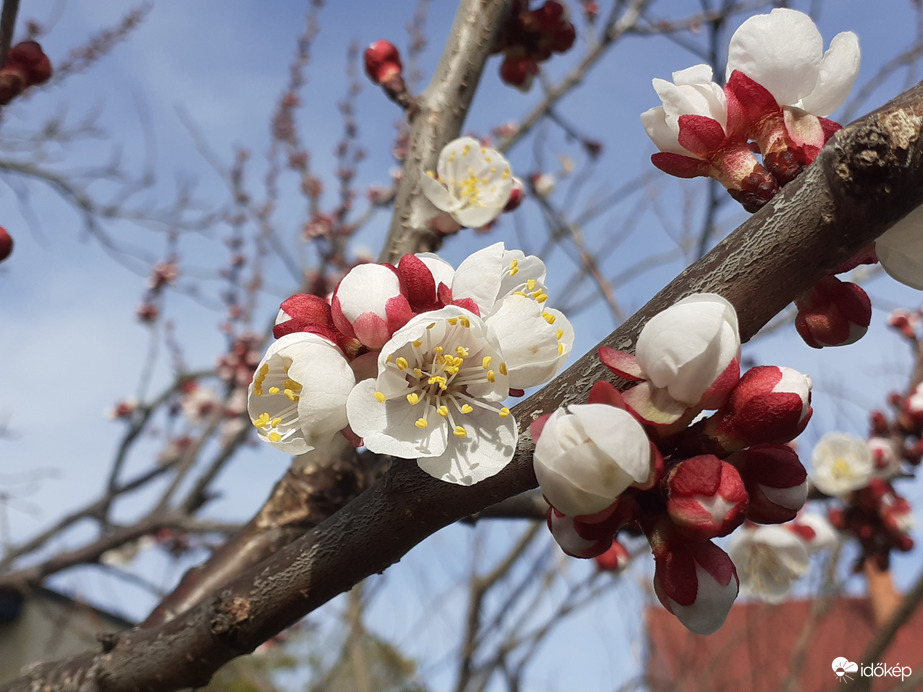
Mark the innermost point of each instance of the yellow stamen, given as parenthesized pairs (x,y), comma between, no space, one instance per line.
(549,318)
(413,398)
(381,398)
(503,370)
(274,390)
(443,411)
(274,437)
(504,412)
(491,377)
(466,408)
(401,363)
(460,431)
(421,423)
(262,421)
(486,362)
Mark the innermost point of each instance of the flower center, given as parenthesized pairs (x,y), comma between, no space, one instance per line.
(439,375)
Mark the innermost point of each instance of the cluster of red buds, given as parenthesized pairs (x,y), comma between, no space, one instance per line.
(701,483)
(162,275)
(880,519)
(530,37)
(26,65)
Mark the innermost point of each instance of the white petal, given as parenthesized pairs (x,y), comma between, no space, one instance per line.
(441,270)
(688,97)
(840,464)
(900,250)
(489,275)
(528,341)
(838,72)
(456,157)
(617,433)
(712,604)
(482,453)
(477,216)
(781,50)
(439,195)
(661,133)
(388,427)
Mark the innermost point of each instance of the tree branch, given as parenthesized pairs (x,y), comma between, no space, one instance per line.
(866,179)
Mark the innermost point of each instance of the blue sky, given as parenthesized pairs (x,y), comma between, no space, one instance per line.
(72,347)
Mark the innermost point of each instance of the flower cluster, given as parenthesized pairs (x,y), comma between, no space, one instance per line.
(628,462)
(530,37)
(417,359)
(780,87)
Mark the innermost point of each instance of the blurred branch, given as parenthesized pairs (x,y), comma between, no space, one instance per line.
(7,27)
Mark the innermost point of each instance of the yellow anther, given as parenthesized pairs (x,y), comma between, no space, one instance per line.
(439,360)
(431,174)
(437,349)
(462,351)
(541,298)
(466,408)
(491,377)
(401,363)
(453,321)
(460,431)
(520,293)
(464,321)
(560,349)
(484,181)
(275,422)
(418,372)
(530,284)
(417,343)
(262,421)
(274,437)
(503,370)
(421,423)
(504,412)
(536,293)
(290,395)
(549,318)
(443,411)
(558,334)
(413,398)
(506,174)
(388,359)
(274,390)
(486,362)
(291,384)
(380,398)
(436,378)
(431,325)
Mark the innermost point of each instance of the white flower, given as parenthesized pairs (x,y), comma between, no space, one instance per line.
(471,182)
(841,463)
(199,404)
(692,92)
(588,455)
(784,52)
(507,287)
(900,250)
(769,559)
(688,346)
(297,399)
(435,399)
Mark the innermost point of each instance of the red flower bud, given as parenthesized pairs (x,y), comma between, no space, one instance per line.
(615,559)
(833,313)
(705,497)
(775,480)
(382,62)
(518,71)
(567,534)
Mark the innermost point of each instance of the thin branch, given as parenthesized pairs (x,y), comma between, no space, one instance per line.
(7,27)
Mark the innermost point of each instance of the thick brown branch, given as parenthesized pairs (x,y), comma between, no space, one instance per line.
(863,182)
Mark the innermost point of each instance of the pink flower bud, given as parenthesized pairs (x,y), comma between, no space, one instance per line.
(833,313)
(382,62)
(775,480)
(6,244)
(694,580)
(566,533)
(769,404)
(705,497)
(615,559)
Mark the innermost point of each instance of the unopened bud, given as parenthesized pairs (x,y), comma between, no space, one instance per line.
(775,480)
(382,61)
(705,497)
(833,313)
(6,244)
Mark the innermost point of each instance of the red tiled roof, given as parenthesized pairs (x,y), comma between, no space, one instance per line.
(758,649)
